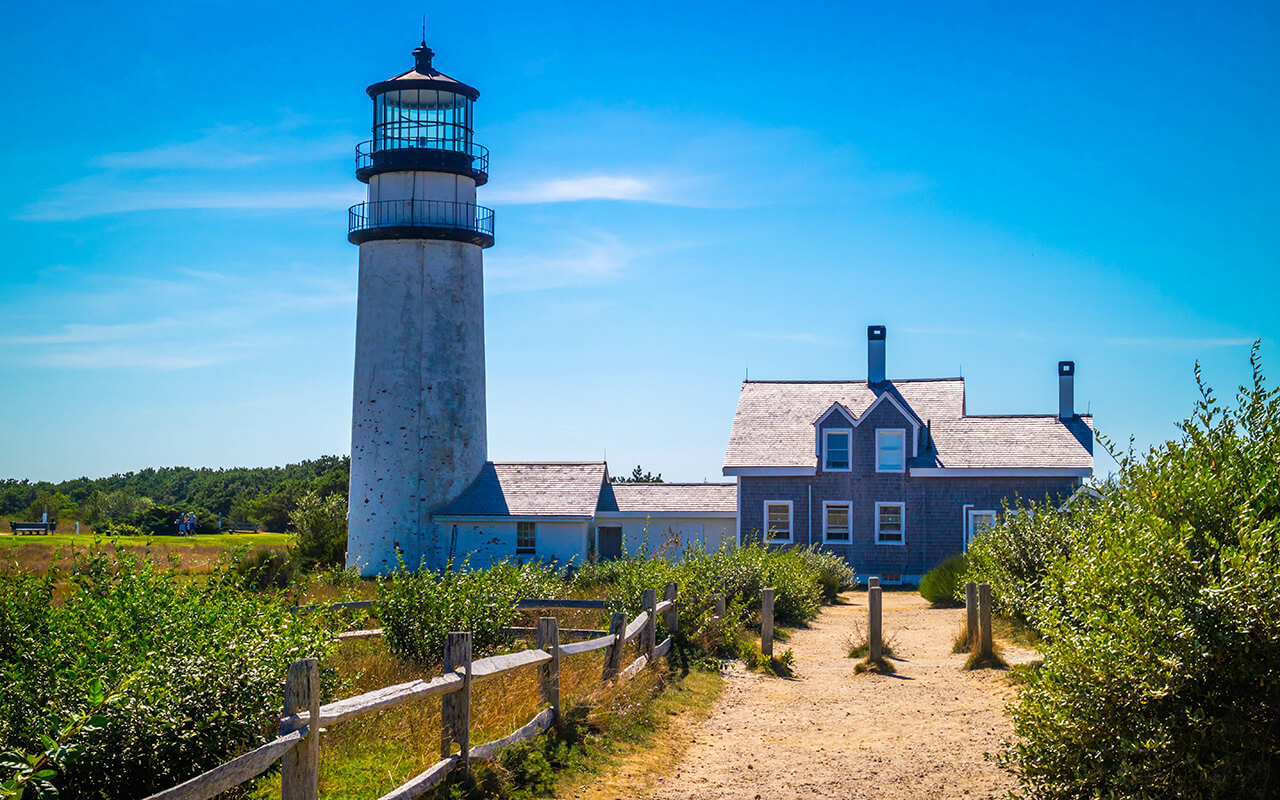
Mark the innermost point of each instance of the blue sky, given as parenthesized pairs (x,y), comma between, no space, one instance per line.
(683,192)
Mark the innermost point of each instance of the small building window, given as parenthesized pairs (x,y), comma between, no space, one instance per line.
(891,446)
(836,450)
(836,521)
(890,523)
(777,516)
(526,538)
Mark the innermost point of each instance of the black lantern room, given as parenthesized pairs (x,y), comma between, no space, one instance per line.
(422,121)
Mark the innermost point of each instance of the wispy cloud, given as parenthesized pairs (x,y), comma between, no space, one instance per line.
(96,196)
(1176,342)
(585,187)
(586,260)
(221,320)
(798,337)
(234,147)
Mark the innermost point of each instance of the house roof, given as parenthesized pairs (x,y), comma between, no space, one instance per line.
(530,489)
(670,498)
(773,426)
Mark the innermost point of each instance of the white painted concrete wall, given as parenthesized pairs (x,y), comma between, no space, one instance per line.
(422,186)
(682,531)
(488,542)
(418,435)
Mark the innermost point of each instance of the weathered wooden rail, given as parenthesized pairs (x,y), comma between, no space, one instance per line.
(298,745)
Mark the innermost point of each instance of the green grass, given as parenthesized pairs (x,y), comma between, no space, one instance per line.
(219,539)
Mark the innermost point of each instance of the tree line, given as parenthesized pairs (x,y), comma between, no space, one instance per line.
(149,500)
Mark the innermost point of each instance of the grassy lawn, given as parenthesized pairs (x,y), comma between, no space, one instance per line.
(218,539)
(195,554)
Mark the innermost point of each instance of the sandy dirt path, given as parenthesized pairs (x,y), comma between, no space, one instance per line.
(830,733)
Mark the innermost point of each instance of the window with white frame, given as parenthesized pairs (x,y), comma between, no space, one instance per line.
(526,538)
(835,449)
(777,520)
(891,450)
(890,523)
(837,521)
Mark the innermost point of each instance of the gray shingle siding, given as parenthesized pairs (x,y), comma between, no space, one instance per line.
(934,509)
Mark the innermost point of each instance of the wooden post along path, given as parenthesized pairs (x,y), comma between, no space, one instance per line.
(984,620)
(766,622)
(300,767)
(455,708)
(875,631)
(873,582)
(971,614)
(549,671)
(649,636)
(670,617)
(720,606)
(613,653)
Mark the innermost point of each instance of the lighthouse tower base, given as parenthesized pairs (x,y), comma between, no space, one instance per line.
(418,434)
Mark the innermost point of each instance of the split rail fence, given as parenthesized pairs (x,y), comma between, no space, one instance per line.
(298,744)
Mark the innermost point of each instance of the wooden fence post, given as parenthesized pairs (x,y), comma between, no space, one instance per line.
(875,630)
(300,767)
(671,617)
(720,606)
(613,653)
(873,582)
(649,636)
(984,619)
(971,614)
(455,708)
(766,622)
(549,671)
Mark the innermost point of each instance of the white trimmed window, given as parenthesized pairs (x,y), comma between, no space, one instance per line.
(891,449)
(526,538)
(890,523)
(777,520)
(835,449)
(837,521)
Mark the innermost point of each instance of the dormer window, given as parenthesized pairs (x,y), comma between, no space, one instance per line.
(891,448)
(835,450)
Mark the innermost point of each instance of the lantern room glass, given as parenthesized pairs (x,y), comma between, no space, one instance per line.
(428,119)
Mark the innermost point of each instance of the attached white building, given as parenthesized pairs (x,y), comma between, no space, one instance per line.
(571,512)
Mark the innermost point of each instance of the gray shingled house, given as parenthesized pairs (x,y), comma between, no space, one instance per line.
(895,475)
(570,511)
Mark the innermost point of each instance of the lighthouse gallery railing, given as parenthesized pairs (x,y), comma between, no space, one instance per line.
(420,214)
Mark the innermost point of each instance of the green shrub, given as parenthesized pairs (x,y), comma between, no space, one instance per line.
(1161,672)
(207,662)
(266,568)
(321,527)
(833,573)
(419,609)
(942,585)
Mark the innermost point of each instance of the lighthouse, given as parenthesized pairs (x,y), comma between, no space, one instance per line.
(418,413)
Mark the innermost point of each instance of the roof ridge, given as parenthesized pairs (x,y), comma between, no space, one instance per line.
(673,483)
(549,463)
(1017,416)
(863,381)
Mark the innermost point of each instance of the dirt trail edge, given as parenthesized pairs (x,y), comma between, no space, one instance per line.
(830,733)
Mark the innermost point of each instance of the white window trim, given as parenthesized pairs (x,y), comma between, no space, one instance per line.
(902,540)
(791,522)
(848,504)
(847,432)
(969,529)
(531,551)
(902,431)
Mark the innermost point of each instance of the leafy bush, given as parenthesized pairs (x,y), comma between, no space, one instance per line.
(833,573)
(321,526)
(266,568)
(419,609)
(205,664)
(1161,673)
(942,585)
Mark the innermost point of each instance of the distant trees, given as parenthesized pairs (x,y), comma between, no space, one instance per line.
(640,475)
(265,495)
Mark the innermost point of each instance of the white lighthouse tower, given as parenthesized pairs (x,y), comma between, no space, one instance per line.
(418,417)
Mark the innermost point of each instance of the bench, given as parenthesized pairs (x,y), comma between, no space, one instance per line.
(240,527)
(32,527)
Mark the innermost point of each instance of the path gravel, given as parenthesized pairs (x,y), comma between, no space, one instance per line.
(920,733)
